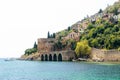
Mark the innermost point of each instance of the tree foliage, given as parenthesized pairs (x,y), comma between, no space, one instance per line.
(31,50)
(83,49)
(103,35)
(73,45)
(35,45)
(58,45)
(53,35)
(100,11)
(50,35)
(69,28)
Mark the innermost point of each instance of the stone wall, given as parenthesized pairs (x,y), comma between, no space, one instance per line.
(66,55)
(105,55)
(45,45)
(45,50)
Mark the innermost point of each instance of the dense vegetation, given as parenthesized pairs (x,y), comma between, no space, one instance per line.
(31,50)
(105,34)
(69,44)
(64,33)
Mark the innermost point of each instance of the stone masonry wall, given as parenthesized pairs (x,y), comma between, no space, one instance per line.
(66,55)
(45,45)
(102,55)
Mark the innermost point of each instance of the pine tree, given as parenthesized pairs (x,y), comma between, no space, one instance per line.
(53,35)
(35,45)
(48,36)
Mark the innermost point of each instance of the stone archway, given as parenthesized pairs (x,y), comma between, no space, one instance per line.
(54,57)
(50,57)
(46,57)
(42,57)
(60,57)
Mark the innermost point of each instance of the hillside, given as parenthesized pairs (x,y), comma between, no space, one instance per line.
(101,30)
(104,31)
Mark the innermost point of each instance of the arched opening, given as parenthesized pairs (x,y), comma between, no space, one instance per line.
(60,57)
(50,57)
(42,57)
(54,57)
(46,57)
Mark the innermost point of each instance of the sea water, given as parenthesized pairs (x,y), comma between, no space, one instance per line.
(37,70)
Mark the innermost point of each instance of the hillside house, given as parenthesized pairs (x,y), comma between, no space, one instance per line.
(72,35)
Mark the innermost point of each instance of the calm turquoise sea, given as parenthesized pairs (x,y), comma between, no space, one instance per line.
(37,70)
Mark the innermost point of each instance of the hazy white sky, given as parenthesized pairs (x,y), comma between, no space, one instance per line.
(22,22)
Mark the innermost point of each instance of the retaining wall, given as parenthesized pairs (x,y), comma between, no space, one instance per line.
(105,55)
